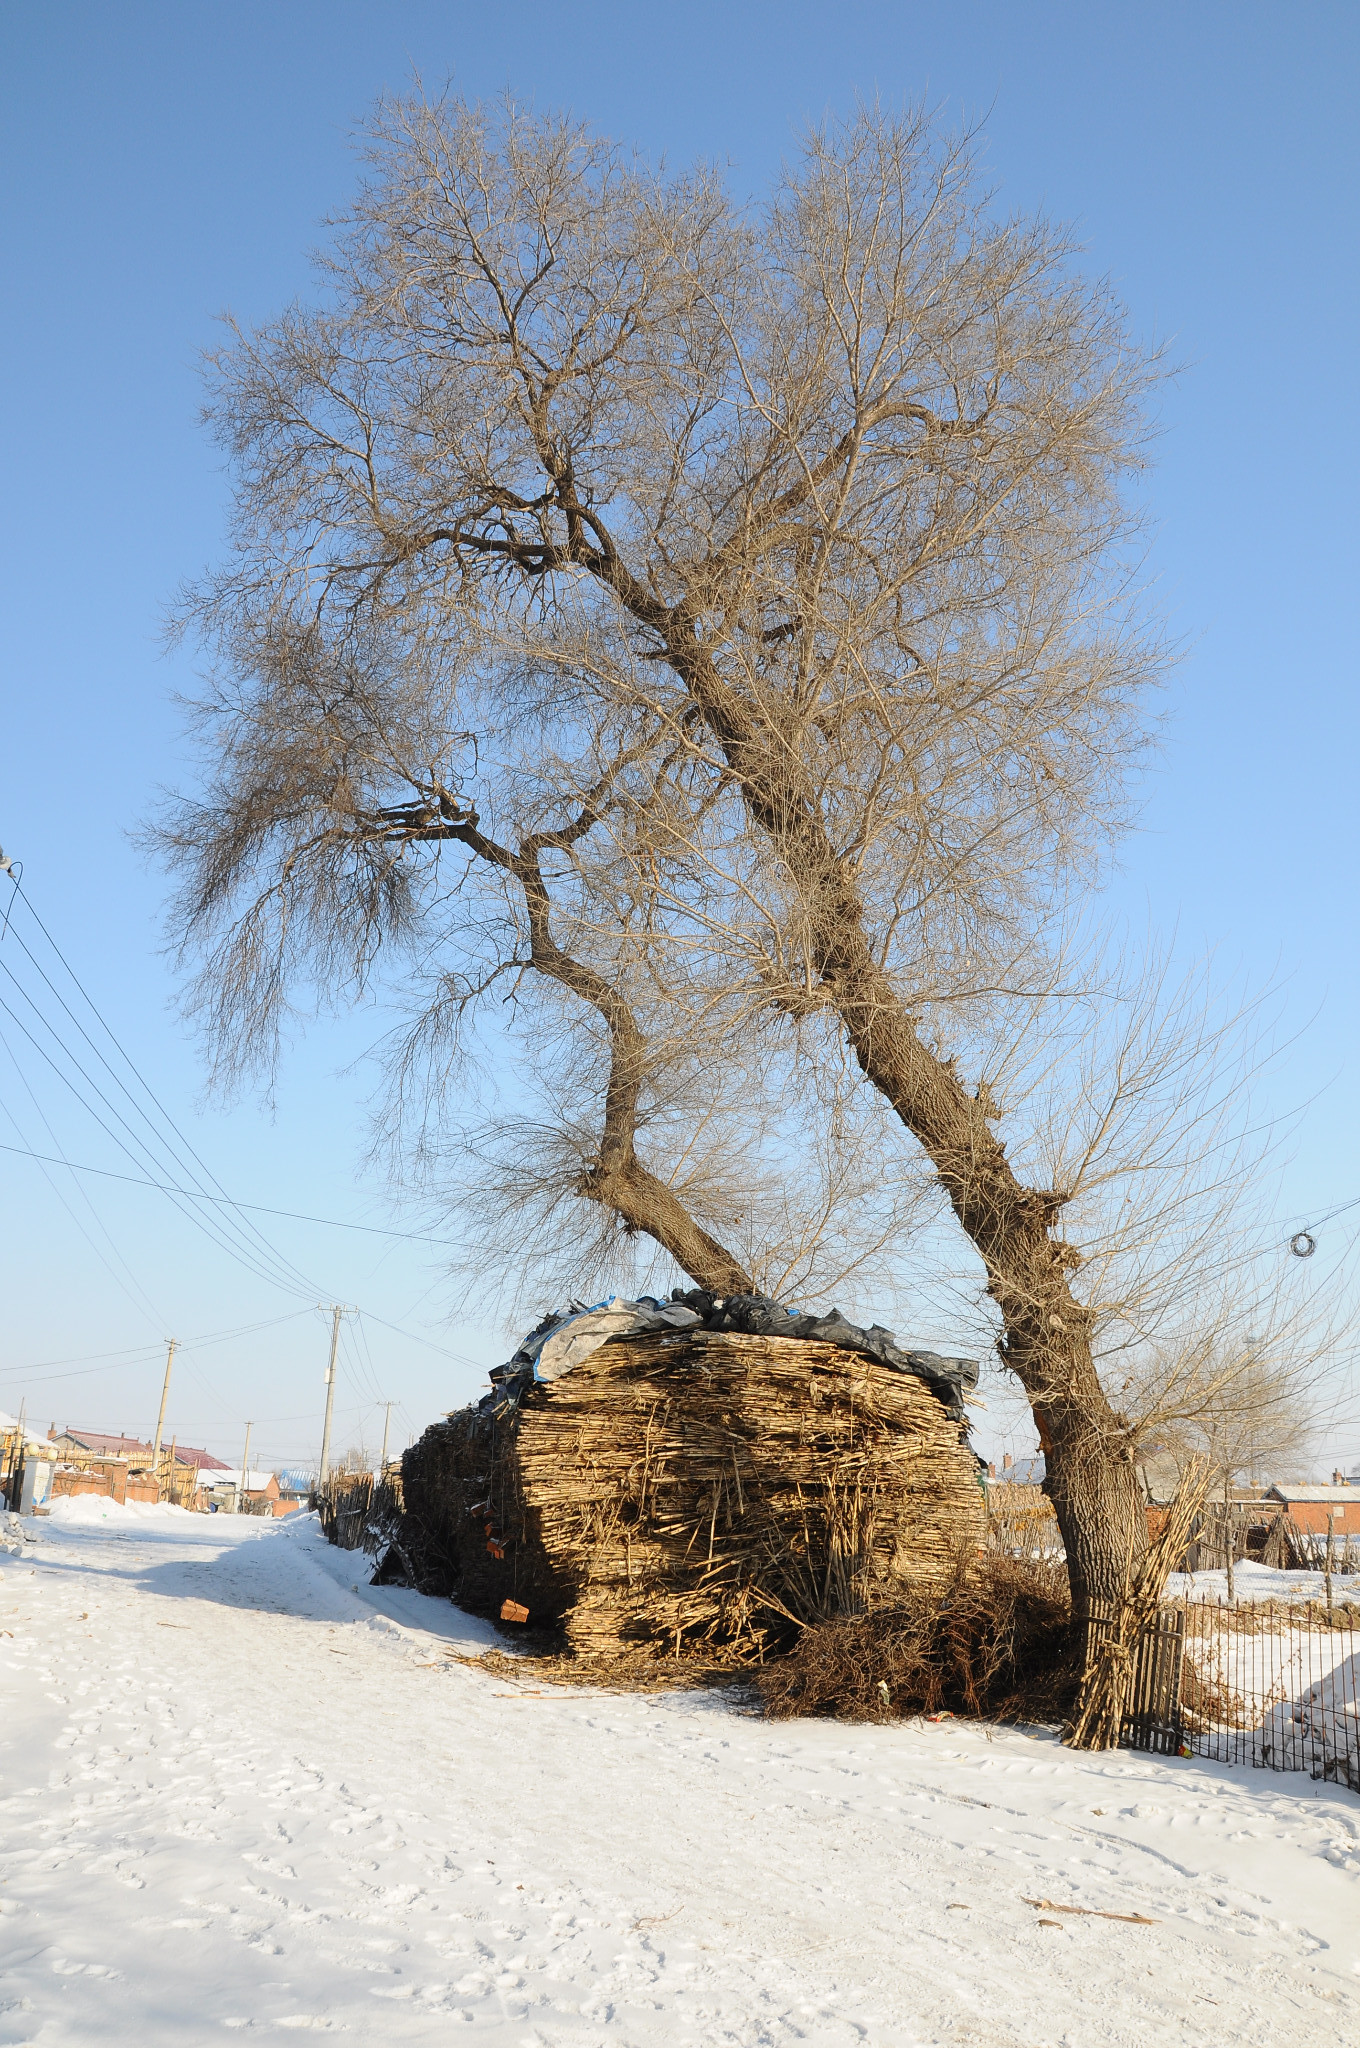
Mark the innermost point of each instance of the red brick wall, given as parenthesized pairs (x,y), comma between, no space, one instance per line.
(1311,1516)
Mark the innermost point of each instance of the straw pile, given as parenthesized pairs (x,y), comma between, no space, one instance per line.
(703,1494)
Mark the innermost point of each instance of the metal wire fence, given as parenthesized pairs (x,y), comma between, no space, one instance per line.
(1274,1683)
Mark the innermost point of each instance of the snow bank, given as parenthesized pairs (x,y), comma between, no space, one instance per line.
(287,1817)
(1261,1582)
(1319,1732)
(89,1508)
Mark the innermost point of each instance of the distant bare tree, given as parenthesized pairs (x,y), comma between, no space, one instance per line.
(1255,1416)
(822,505)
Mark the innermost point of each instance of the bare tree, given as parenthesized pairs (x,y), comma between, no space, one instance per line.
(1255,1412)
(338,780)
(822,503)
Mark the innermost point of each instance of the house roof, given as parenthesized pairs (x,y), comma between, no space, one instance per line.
(105,1446)
(1021,1472)
(297,1479)
(1316,1495)
(230,1475)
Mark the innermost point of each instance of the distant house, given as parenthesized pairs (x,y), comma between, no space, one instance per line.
(295,1485)
(121,1467)
(27,1461)
(1312,1508)
(260,1496)
(1018,1471)
(94,1443)
(202,1461)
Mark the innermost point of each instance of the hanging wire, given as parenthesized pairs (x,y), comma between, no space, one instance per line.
(130,1285)
(249,1240)
(221,1239)
(260,1208)
(112,1361)
(232,1232)
(1304,1242)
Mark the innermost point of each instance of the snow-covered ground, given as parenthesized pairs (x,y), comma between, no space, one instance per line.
(240,1796)
(1262,1582)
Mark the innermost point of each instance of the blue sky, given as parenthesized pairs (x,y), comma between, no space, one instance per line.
(164,162)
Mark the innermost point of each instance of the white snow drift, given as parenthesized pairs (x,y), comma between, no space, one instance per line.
(240,1796)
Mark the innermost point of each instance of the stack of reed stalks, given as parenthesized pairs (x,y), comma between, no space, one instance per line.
(703,1494)
(1113,1637)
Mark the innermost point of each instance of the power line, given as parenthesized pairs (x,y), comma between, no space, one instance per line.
(132,1287)
(140,1354)
(235,1231)
(241,1231)
(1304,1242)
(458,1357)
(127,1059)
(191,1215)
(245,1229)
(260,1208)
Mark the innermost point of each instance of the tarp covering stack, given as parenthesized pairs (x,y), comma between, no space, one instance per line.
(694,1490)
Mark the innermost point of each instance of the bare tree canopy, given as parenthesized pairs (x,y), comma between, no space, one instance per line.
(326,852)
(807,524)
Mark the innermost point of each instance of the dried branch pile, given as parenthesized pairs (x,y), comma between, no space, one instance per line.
(707,1494)
(994,1641)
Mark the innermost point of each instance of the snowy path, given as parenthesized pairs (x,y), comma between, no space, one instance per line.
(234,1796)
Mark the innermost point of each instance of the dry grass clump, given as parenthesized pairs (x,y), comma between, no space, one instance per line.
(993,1642)
(1206,1700)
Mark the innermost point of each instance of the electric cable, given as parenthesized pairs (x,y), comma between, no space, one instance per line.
(1304,1242)
(191,1215)
(458,1357)
(235,1231)
(184,1143)
(260,1208)
(142,1354)
(130,1286)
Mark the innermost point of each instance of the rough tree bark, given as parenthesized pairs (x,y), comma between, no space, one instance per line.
(1090,1472)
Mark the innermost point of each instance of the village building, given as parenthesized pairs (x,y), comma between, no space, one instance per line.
(1318,1510)
(261,1495)
(122,1468)
(27,1463)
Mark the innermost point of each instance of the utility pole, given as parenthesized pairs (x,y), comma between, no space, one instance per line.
(336,1313)
(387,1424)
(16,1455)
(245,1471)
(160,1419)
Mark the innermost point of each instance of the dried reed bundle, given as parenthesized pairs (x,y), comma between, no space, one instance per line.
(1109,1662)
(706,1494)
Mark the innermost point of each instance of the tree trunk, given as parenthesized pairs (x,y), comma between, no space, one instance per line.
(1093,1485)
(1091,1478)
(644,1203)
(616,1178)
